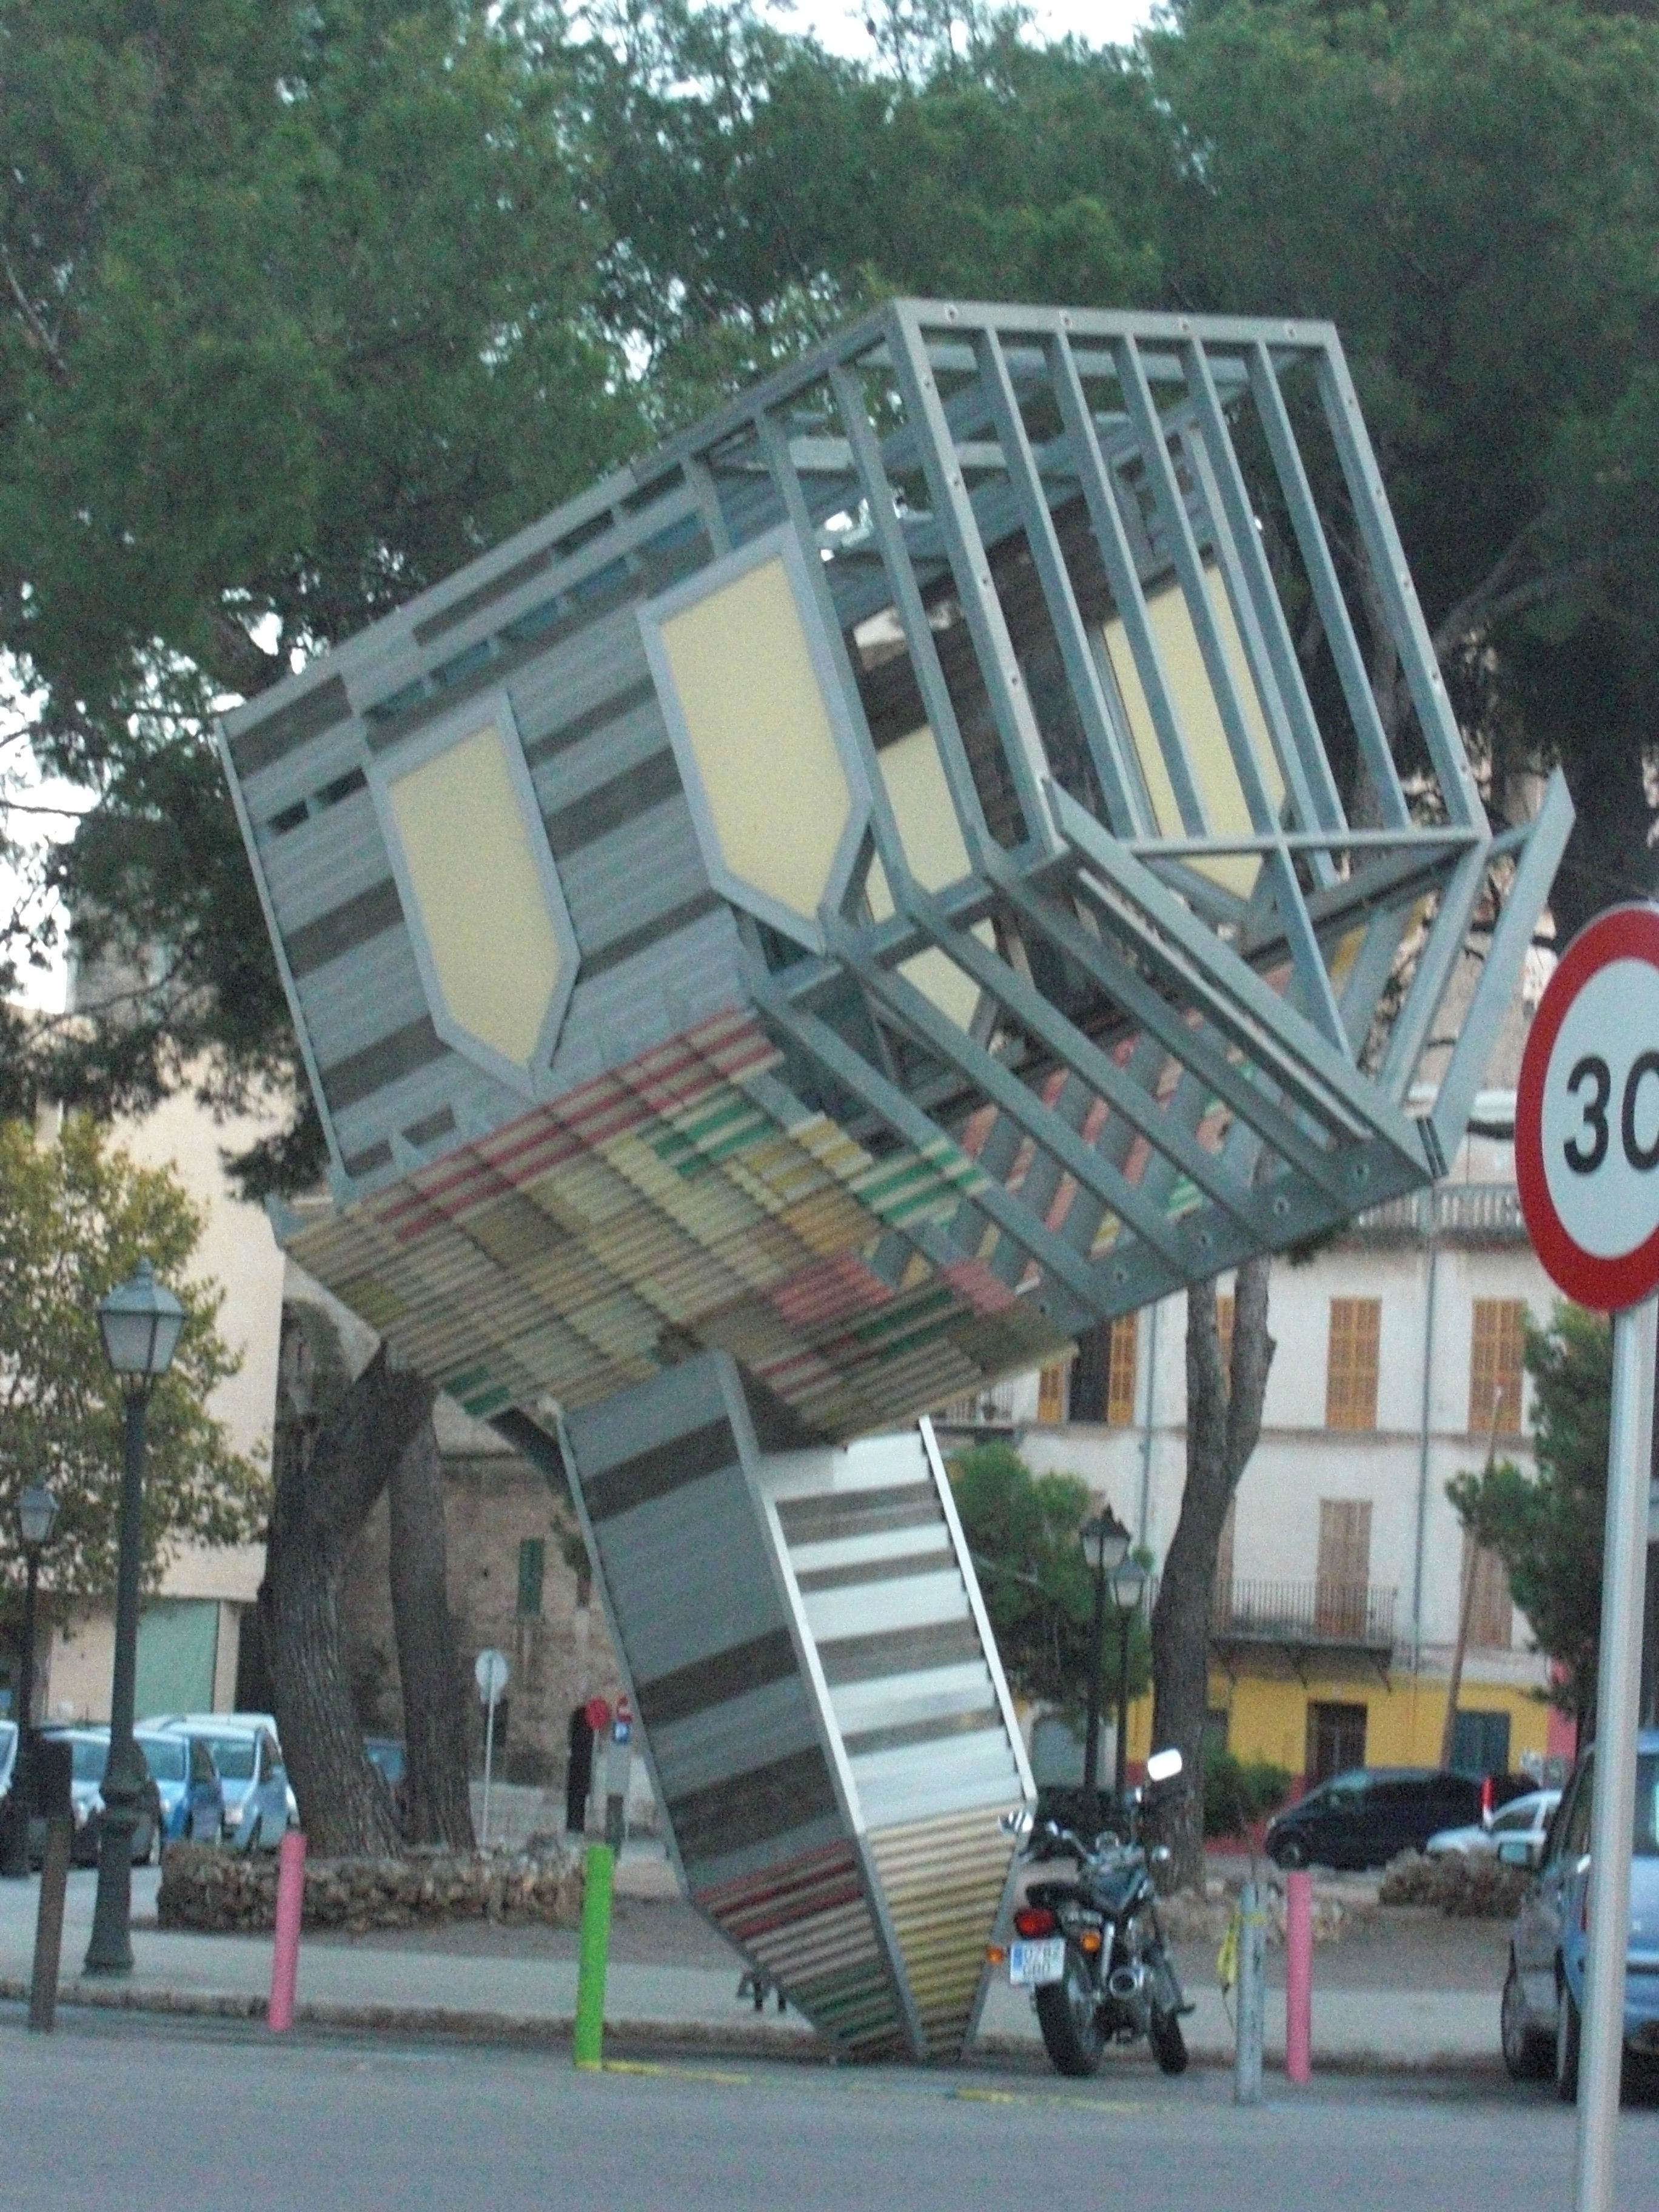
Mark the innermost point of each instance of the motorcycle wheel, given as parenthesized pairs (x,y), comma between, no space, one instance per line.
(1169,2044)
(1068,2013)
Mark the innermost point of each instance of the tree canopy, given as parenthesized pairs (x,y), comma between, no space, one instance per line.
(76,1218)
(1022,1529)
(300,306)
(1547,1527)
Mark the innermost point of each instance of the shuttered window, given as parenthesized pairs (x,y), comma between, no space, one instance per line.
(532,1567)
(1344,1565)
(1492,1612)
(1497,1343)
(1351,1370)
(1051,1392)
(1121,1372)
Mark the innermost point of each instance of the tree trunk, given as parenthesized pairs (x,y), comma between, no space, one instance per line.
(1223,1420)
(335,1445)
(438,1808)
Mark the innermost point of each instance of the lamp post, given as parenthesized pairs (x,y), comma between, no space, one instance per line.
(37,1514)
(1128,1582)
(141,1322)
(1105,1543)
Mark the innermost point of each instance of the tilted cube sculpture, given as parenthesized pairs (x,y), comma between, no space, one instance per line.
(915,869)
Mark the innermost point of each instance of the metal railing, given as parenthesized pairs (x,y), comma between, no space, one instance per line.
(1484,1210)
(1305,1613)
(991,1408)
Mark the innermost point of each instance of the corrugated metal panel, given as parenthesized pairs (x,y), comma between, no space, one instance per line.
(944,1880)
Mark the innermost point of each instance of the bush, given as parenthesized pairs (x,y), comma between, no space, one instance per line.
(1238,1792)
(1463,1886)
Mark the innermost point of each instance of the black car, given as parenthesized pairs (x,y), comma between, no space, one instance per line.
(1364,1817)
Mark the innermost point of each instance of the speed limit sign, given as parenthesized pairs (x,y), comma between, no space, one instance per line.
(1586,1115)
(1587,1161)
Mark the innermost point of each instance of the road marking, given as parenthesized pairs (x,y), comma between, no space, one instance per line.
(673,2072)
(1045,2097)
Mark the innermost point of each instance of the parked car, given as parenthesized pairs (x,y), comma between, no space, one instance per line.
(187,1782)
(1365,1817)
(1544,1987)
(1523,1818)
(204,1723)
(7,1756)
(89,1756)
(250,1772)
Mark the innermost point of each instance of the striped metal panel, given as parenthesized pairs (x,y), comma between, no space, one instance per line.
(868,1900)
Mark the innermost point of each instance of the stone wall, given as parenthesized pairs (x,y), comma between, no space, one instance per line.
(557,1656)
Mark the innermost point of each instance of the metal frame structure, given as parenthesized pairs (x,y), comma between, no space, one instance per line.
(981,896)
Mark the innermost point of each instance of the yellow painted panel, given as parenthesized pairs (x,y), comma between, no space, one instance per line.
(772,777)
(479,890)
(924,810)
(1215,770)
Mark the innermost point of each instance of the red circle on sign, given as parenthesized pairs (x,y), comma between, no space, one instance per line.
(1604,1283)
(598,1714)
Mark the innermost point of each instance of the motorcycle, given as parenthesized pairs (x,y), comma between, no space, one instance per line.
(1090,1949)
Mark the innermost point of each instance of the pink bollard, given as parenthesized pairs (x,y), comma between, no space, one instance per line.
(1299,1977)
(290,1905)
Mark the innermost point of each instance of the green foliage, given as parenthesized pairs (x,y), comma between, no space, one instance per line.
(1022,1529)
(1547,1526)
(1238,1792)
(76,1218)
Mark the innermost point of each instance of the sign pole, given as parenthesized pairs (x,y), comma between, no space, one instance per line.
(1617,1696)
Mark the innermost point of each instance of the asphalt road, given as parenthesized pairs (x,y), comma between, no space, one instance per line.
(127,2110)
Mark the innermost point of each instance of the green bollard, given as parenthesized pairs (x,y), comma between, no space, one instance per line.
(589,2044)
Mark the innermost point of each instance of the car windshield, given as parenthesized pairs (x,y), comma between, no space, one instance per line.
(1515,1816)
(164,1755)
(1645,1842)
(89,1756)
(234,1757)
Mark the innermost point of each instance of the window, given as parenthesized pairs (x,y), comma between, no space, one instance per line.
(1480,1743)
(1350,1369)
(1104,1374)
(1496,1346)
(1336,1741)
(1051,1392)
(532,1566)
(1344,1567)
(1491,1613)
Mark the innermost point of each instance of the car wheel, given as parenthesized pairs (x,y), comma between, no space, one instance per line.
(1527,2055)
(1567,2033)
(1290,1855)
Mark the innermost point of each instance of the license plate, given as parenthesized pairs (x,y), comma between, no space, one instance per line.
(1031,1965)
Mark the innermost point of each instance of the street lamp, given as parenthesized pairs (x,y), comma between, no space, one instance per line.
(1105,1542)
(141,1321)
(1128,1583)
(37,1513)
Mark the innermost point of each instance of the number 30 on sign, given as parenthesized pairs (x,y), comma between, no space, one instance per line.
(1586,1115)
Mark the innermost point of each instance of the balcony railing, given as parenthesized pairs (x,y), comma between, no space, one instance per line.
(1473,1212)
(991,1409)
(1356,1614)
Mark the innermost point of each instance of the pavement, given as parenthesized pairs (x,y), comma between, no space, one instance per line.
(216,2113)
(672,1984)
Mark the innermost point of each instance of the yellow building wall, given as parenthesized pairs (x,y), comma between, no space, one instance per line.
(1267,1718)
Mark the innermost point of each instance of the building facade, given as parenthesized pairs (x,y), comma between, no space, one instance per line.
(1343,1572)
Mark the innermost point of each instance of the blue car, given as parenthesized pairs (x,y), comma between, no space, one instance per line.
(192,1796)
(1544,1990)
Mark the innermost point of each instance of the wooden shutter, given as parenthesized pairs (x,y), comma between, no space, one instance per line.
(1496,1345)
(1492,1612)
(1121,1371)
(1344,1565)
(1051,1392)
(1350,1369)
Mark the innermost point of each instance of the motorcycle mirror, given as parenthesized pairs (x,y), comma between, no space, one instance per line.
(1163,1765)
(1016,1821)
(1162,1854)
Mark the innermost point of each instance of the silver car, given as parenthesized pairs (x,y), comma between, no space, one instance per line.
(1524,1821)
(252,1772)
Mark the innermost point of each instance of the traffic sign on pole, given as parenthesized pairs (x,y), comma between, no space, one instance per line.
(1587,1161)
